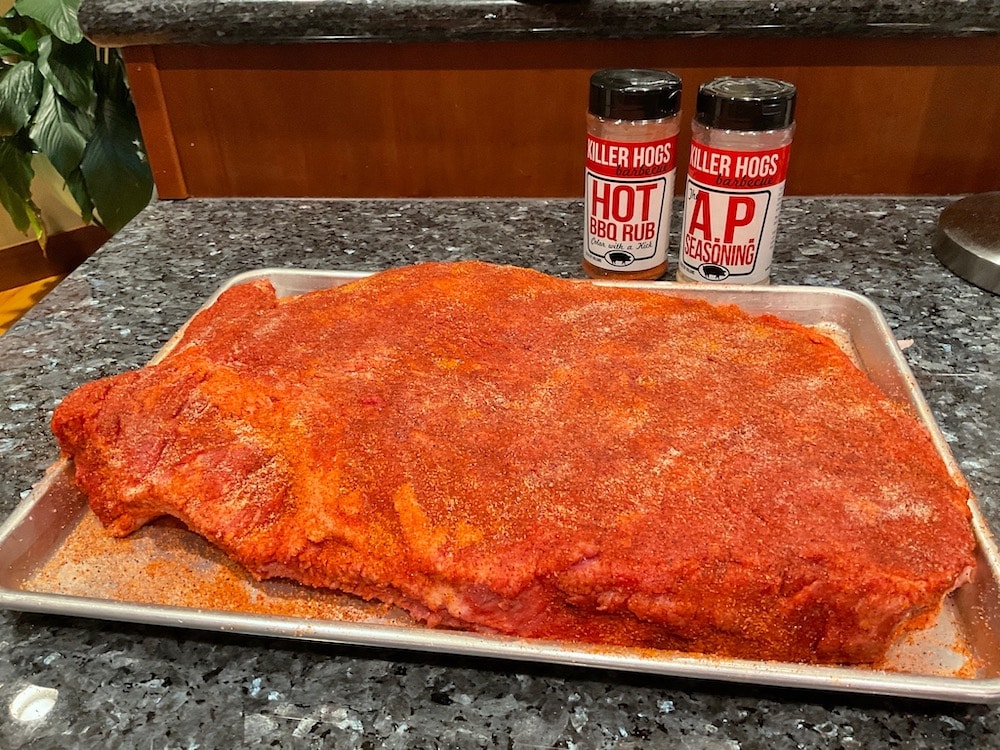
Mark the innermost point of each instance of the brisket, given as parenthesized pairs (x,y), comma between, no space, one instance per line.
(494,449)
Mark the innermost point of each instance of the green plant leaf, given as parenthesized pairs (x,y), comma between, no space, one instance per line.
(10,47)
(58,15)
(77,112)
(20,88)
(15,167)
(18,36)
(77,187)
(70,69)
(16,174)
(118,177)
(55,132)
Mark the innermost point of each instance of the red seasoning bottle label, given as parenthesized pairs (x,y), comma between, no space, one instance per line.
(731,207)
(629,187)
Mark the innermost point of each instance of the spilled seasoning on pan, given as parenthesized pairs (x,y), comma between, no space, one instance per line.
(166,565)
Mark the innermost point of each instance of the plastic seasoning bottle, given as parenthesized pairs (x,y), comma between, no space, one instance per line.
(632,127)
(740,140)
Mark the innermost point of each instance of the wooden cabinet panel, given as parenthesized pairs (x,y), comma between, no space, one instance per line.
(892,116)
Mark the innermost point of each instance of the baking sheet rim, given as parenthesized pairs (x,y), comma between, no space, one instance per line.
(457,643)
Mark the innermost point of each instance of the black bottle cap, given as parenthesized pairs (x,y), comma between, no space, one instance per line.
(630,94)
(746,104)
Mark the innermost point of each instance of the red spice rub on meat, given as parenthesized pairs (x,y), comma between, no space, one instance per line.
(498,450)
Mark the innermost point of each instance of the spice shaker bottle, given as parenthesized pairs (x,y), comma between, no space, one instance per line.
(740,140)
(632,125)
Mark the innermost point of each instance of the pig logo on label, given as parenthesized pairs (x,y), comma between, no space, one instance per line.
(619,258)
(713,272)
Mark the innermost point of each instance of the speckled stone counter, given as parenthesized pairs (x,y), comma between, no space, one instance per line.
(121,22)
(130,686)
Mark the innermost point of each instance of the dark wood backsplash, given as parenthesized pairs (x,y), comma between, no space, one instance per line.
(875,116)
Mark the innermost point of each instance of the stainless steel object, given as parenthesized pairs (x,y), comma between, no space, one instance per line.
(967,240)
(957,658)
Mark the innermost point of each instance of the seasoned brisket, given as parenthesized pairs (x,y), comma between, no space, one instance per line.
(498,450)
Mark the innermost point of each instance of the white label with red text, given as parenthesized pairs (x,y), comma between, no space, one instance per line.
(731,207)
(629,187)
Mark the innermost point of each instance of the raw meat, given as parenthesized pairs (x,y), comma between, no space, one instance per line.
(493,449)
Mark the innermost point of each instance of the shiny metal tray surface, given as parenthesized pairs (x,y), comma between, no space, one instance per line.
(54,558)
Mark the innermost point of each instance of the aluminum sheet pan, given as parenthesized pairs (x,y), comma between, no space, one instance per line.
(54,558)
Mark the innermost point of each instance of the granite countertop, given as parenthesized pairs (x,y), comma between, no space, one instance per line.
(123,685)
(124,22)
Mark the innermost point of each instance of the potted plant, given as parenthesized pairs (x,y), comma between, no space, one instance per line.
(66,100)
